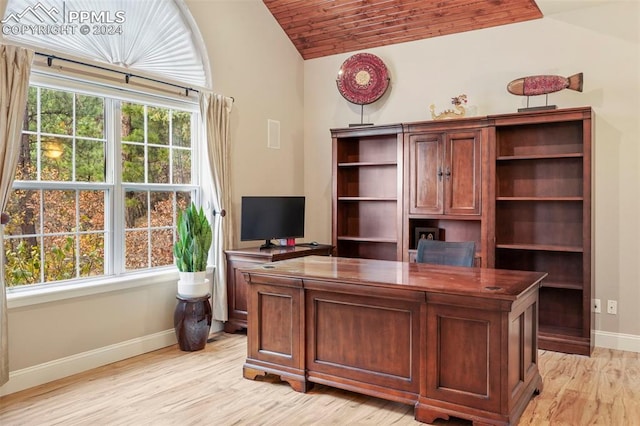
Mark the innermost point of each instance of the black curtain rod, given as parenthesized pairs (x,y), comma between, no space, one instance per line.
(127,75)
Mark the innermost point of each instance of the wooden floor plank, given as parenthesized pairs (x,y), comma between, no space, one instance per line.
(168,387)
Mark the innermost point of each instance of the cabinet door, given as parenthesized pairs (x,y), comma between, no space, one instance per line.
(462,173)
(237,289)
(426,173)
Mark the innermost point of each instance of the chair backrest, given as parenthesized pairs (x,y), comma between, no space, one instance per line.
(446,252)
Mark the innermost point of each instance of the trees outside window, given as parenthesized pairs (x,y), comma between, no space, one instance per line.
(98,186)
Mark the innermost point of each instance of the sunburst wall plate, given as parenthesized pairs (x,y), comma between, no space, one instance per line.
(363,78)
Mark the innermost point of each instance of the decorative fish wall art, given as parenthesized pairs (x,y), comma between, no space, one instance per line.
(543,85)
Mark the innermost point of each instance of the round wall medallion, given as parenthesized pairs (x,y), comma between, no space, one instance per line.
(362,78)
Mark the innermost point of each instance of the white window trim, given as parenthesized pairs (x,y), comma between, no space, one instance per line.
(63,290)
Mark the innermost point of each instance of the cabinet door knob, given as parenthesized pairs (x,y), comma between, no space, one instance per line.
(448,173)
(439,173)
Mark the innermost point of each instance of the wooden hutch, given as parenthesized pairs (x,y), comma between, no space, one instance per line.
(519,185)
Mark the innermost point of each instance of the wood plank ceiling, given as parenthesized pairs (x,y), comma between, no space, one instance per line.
(327,27)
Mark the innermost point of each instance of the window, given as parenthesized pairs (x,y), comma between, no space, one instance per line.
(100,180)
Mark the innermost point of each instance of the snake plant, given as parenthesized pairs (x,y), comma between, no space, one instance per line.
(191,249)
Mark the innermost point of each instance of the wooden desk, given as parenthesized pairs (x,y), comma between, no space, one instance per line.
(242,258)
(452,341)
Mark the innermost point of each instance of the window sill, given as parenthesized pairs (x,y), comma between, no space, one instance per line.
(20,297)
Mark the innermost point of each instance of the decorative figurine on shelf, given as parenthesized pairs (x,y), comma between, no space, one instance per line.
(458,102)
(543,85)
(362,79)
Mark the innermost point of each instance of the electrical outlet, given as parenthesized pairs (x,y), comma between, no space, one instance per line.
(612,307)
(596,306)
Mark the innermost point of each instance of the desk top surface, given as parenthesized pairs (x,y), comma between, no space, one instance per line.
(279,250)
(493,283)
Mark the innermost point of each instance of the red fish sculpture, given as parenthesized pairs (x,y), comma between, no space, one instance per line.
(544,84)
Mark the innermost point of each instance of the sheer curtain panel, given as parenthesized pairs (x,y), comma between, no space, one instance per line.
(216,112)
(15,68)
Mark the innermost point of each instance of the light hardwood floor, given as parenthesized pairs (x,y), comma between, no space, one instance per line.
(168,387)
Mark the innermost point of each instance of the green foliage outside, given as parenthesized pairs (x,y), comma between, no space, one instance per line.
(58,234)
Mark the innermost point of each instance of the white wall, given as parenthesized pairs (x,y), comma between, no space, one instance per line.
(599,38)
(253,61)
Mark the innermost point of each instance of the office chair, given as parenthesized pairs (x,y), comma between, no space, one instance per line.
(446,252)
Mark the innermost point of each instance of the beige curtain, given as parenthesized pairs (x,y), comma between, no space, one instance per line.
(15,68)
(216,112)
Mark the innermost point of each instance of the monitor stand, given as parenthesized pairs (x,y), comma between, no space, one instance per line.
(267,245)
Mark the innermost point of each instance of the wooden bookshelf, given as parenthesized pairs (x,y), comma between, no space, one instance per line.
(519,185)
(543,216)
(367,199)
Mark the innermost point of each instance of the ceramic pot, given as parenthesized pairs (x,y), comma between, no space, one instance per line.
(192,322)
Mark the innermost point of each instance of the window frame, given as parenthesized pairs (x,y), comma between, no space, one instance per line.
(115,277)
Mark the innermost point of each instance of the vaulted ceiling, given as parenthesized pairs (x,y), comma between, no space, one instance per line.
(327,27)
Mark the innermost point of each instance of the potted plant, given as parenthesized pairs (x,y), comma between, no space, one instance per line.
(191,250)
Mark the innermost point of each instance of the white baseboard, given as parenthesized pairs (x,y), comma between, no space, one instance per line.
(64,367)
(623,342)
